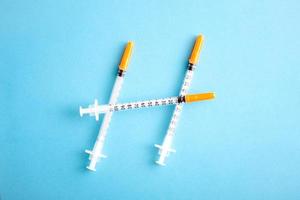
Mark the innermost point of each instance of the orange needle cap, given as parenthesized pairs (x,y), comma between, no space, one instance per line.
(126,56)
(199,97)
(196,50)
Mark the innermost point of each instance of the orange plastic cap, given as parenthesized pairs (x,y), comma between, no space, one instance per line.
(196,50)
(199,97)
(126,56)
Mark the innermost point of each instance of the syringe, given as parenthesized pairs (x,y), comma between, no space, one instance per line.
(96,109)
(96,153)
(166,148)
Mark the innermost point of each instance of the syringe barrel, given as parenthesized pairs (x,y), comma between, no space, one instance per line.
(144,104)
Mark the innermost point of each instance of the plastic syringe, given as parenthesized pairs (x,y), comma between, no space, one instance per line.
(96,109)
(166,147)
(96,153)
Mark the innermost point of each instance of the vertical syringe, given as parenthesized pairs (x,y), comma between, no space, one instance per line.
(96,153)
(165,148)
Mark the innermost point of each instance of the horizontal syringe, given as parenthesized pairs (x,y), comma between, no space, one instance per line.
(96,109)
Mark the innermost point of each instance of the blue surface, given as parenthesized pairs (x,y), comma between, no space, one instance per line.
(57,55)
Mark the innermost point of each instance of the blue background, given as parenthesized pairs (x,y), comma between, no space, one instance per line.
(58,55)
